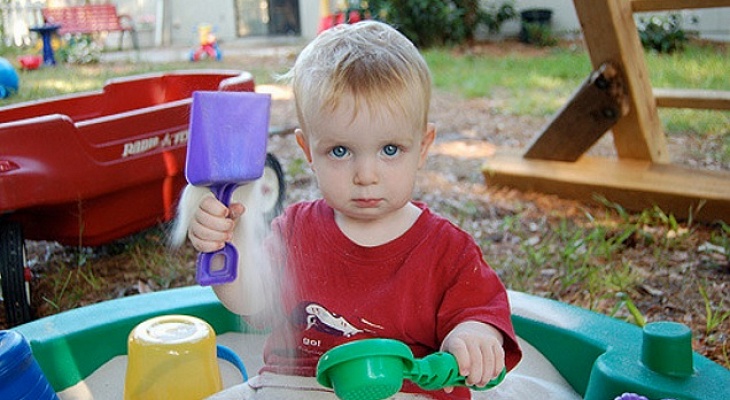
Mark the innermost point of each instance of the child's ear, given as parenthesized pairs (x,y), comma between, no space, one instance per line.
(303,144)
(428,137)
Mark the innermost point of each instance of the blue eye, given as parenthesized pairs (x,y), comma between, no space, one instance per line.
(339,151)
(390,150)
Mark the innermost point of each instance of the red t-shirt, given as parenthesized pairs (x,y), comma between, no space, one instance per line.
(415,289)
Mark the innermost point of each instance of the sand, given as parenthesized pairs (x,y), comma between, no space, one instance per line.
(534,377)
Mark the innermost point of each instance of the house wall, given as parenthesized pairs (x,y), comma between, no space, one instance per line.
(564,20)
(712,23)
(188,15)
(709,23)
(183,17)
(180,18)
(309,11)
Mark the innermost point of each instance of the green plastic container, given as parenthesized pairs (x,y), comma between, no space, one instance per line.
(375,376)
(374,369)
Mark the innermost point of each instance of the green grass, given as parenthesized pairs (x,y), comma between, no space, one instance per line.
(700,67)
(535,85)
(69,78)
(571,258)
(696,66)
(548,80)
(540,85)
(66,78)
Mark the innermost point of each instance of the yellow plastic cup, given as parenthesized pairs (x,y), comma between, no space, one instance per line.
(172,357)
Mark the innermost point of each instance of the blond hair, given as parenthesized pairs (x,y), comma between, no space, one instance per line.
(370,61)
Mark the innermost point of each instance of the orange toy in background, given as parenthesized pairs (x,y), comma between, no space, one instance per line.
(348,12)
(208,44)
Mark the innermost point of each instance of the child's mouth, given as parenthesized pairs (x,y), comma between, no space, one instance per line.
(367,203)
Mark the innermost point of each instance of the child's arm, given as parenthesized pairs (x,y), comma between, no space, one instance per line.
(478,350)
(189,202)
(209,224)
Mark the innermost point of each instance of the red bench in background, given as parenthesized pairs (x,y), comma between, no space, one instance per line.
(93,19)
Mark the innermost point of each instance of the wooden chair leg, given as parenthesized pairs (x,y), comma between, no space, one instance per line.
(597,105)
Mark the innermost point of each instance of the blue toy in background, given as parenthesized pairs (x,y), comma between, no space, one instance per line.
(9,80)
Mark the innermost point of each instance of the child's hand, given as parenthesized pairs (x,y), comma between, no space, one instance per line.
(478,350)
(213,224)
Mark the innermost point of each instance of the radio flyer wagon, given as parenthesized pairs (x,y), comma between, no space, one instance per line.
(93,167)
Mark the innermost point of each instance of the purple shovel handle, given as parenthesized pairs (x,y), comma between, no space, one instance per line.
(205,274)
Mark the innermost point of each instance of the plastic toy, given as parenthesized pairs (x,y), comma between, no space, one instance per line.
(226,149)
(175,356)
(348,12)
(20,375)
(9,80)
(208,44)
(374,369)
(30,62)
(633,396)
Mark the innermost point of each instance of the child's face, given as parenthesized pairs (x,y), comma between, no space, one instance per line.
(366,167)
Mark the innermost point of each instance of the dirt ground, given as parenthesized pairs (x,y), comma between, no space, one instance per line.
(468,131)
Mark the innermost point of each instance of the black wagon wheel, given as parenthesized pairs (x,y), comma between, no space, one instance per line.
(14,276)
(274,187)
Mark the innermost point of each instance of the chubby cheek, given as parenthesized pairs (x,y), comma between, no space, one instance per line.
(401,189)
(334,189)
(328,174)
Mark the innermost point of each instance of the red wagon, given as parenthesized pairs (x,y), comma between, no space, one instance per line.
(93,167)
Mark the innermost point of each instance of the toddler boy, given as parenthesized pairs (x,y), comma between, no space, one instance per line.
(365,260)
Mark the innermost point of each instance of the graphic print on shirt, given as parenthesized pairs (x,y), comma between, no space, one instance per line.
(318,317)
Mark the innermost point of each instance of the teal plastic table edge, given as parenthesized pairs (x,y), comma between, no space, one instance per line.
(593,352)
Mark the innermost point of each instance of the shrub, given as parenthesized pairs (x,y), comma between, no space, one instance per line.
(539,34)
(80,50)
(494,15)
(429,23)
(663,34)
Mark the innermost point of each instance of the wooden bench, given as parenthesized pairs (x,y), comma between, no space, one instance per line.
(91,19)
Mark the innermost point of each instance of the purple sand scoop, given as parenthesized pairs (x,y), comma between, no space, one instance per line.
(226,149)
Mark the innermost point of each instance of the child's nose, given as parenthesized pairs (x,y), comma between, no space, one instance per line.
(366,172)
